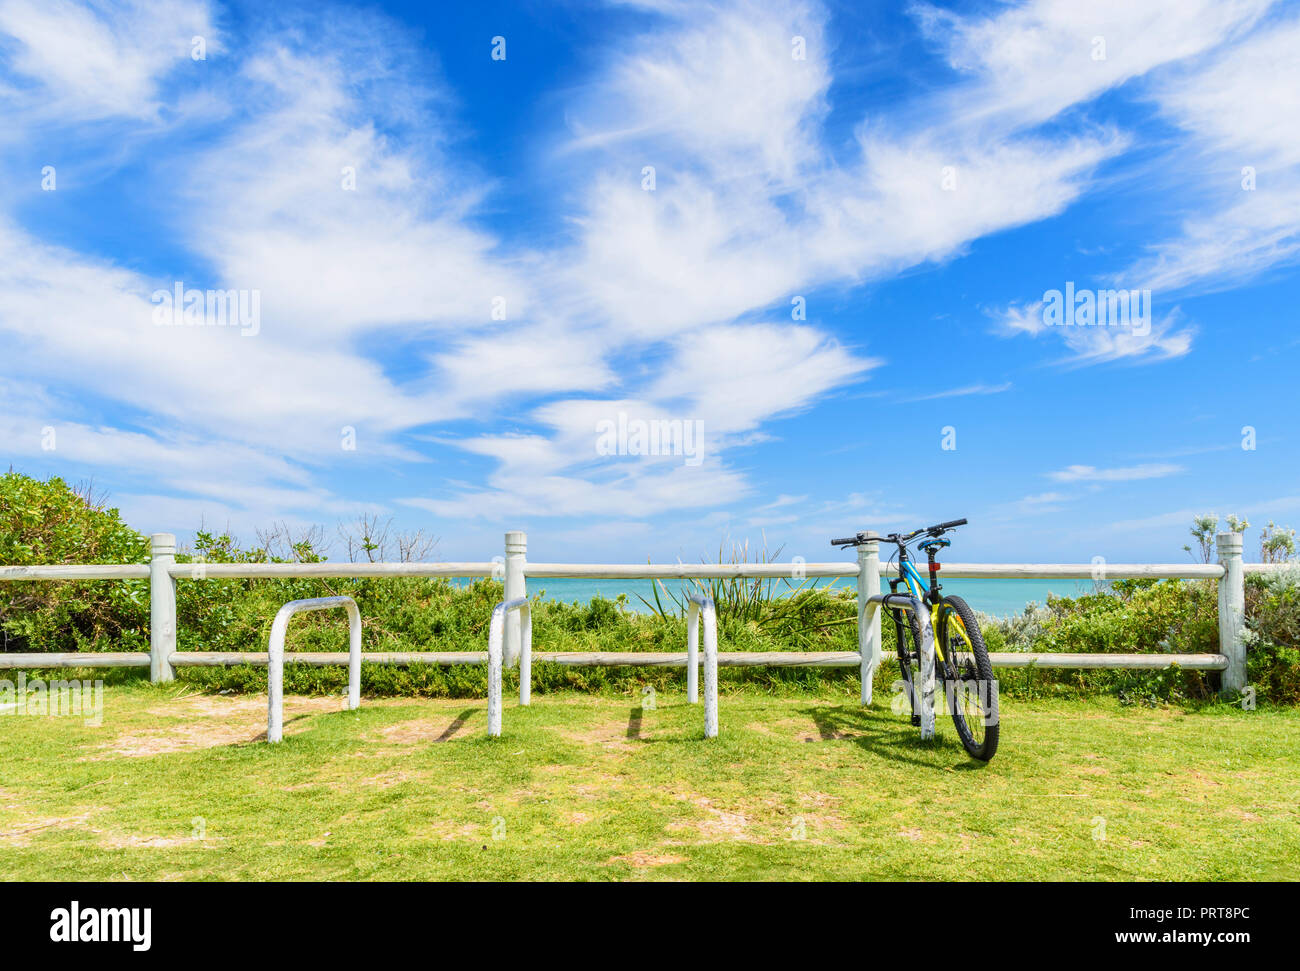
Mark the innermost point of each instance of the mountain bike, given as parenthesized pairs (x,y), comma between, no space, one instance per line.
(959,662)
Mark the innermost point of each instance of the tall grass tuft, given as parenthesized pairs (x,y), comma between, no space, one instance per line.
(774,605)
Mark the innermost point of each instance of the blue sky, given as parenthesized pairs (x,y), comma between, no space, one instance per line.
(500,277)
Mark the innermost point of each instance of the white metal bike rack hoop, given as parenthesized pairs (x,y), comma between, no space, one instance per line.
(701,606)
(275,658)
(925,704)
(496,637)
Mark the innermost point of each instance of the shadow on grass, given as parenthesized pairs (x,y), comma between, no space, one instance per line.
(456,725)
(261,736)
(887,735)
(635,727)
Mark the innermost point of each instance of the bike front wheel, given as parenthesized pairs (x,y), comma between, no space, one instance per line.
(968,681)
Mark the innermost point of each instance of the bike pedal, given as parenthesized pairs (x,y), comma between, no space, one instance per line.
(916,721)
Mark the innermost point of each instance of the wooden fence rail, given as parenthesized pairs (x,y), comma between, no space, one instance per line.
(163,572)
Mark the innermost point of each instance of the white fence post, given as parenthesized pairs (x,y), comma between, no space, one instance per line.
(868,621)
(516,552)
(1232,611)
(162,607)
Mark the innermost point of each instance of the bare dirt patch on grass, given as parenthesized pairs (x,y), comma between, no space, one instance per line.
(210,721)
(611,738)
(800,729)
(718,825)
(444,728)
(384,780)
(645,859)
(449,831)
(121,842)
(21,832)
(817,812)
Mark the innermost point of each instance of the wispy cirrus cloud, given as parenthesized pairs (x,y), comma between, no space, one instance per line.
(1032,61)
(969,389)
(1242,115)
(1020,54)
(86,62)
(1161,339)
(1131,473)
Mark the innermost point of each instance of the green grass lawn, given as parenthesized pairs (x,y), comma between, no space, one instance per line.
(174,785)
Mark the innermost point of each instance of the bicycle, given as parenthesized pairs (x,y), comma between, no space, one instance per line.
(959,660)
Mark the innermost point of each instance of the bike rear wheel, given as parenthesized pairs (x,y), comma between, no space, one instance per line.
(968,681)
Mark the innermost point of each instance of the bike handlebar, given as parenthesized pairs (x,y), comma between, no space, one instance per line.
(896,538)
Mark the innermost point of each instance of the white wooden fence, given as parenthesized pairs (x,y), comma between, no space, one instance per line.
(163,572)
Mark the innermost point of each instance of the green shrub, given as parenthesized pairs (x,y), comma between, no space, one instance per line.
(1273,647)
(1134,616)
(51,522)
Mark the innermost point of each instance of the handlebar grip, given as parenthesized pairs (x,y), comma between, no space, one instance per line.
(955,522)
(844,542)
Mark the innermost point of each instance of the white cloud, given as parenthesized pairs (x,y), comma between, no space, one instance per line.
(1043,498)
(1242,110)
(1164,339)
(970,389)
(1037,504)
(68,315)
(737,376)
(1089,473)
(727,379)
(1031,61)
(98,61)
(1017,319)
(1094,345)
(722,87)
(521,497)
(511,363)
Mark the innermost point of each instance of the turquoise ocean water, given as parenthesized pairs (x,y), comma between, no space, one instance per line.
(996,597)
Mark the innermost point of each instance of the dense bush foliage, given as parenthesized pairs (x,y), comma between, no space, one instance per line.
(49,522)
(1273,648)
(1133,616)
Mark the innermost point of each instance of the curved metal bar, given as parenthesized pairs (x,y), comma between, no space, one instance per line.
(700,605)
(496,651)
(902,601)
(275,658)
(693,650)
